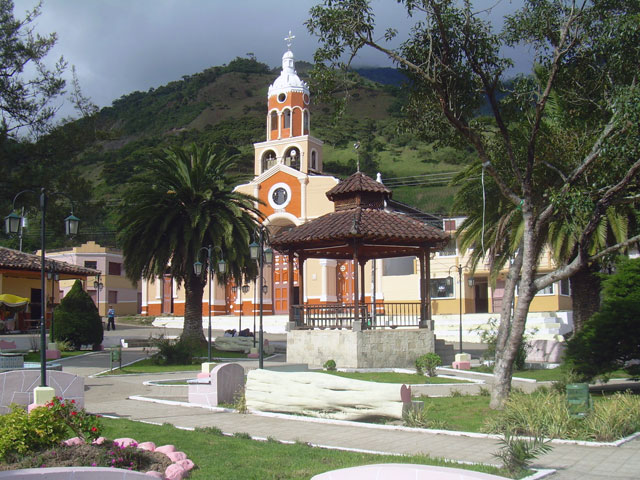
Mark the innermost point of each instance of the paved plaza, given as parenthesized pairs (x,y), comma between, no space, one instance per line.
(111,396)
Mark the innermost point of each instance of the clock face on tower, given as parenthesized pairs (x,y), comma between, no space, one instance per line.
(279,196)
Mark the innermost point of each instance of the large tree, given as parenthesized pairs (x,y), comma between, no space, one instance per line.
(183,201)
(587,53)
(25,99)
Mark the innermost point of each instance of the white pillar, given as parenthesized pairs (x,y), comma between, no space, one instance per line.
(303,197)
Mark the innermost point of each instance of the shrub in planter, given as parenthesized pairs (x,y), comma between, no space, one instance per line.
(77,319)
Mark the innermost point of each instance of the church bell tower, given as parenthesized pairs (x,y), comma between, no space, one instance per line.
(288,141)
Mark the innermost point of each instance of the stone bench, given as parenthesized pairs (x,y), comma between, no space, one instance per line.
(403,471)
(17,386)
(221,386)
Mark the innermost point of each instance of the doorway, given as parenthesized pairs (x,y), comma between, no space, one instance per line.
(481,291)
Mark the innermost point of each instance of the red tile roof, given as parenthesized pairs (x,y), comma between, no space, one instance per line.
(357,183)
(15,260)
(370,225)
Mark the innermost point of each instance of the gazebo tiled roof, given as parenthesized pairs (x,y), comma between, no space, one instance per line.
(15,260)
(358,182)
(360,217)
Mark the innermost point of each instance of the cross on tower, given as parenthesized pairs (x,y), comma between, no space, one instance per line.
(288,39)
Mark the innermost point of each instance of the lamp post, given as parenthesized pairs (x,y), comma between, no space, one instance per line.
(98,285)
(197,269)
(460,270)
(263,256)
(242,289)
(12,225)
(54,277)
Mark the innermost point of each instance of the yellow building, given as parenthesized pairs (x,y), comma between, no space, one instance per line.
(110,286)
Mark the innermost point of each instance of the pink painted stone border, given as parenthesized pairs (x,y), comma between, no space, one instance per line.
(178,470)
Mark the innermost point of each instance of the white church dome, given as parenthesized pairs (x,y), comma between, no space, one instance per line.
(288,80)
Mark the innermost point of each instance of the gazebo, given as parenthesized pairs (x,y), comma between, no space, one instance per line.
(361,228)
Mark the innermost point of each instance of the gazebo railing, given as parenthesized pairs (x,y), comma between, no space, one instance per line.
(386,315)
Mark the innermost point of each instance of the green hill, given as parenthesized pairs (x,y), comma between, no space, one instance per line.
(92,158)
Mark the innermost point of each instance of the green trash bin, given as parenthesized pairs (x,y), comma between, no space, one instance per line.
(578,399)
(116,356)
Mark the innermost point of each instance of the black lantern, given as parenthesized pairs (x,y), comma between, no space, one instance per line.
(12,223)
(71,225)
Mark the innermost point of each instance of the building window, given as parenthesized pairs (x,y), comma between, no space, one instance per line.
(565,287)
(313,160)
(287,119)
(91,264)
(398,266)
(274,121)
(112,297)
(449,225)
(440,288)
(115,268)
(449,250)
(548,290)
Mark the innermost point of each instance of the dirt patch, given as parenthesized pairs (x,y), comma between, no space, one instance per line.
(105,455)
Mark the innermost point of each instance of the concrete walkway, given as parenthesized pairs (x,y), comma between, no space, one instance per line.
(111,396)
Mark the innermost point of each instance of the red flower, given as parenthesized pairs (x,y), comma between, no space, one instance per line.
(73,401)
(74,413)
(94,429)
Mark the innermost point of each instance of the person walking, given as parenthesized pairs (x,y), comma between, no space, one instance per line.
(111,318)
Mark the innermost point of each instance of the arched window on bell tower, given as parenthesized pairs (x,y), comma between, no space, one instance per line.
(269,159)
(273,121)
(287,119)
(314,160)
(305,122)
(292,158)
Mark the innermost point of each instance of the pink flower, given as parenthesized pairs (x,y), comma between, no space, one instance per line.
(94,464)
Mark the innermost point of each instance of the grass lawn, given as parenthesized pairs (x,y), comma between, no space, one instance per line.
(35,356)
(391,377)
(147,366)
(463,413)
(544,374)
(237,458)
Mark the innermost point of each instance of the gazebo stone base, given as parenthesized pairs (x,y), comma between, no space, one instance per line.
(380,348)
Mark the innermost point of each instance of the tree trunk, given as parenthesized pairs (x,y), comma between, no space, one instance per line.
(585,290)
(521,272)
(192,329)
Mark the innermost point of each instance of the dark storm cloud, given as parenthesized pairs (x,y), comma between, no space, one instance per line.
(119,46)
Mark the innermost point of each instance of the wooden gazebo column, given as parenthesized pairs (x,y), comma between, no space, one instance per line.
(425,294)
(301,260)
(290,278)
(362,292)
(356,293)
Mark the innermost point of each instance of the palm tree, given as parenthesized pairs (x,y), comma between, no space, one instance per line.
(184,200)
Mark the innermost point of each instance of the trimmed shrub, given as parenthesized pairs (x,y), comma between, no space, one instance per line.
(428,363)
(330,365)
(77,319)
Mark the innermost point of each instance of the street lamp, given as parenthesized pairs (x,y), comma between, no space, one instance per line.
(263,256)
(242,289)
(197,269)
(460,269)
(54,277)
(12,225)
(98,285)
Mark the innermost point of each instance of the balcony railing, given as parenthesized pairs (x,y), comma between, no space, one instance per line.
(338,316)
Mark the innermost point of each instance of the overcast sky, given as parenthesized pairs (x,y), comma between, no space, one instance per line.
(119,46)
